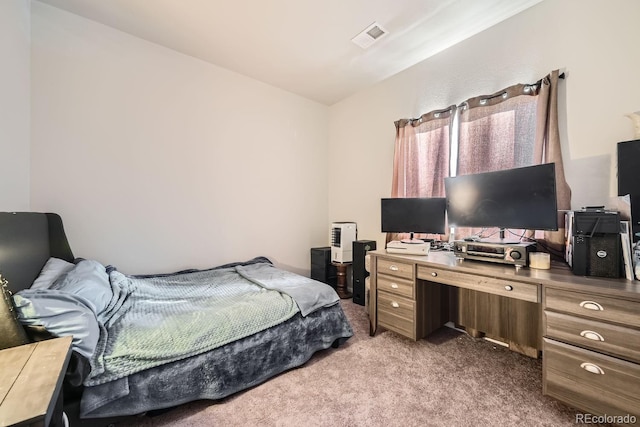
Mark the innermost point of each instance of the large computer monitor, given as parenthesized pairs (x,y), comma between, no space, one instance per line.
(519,198)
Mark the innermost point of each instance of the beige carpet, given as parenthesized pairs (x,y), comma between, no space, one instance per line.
(449,379)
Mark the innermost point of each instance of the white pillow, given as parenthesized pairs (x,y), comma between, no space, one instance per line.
(52,270)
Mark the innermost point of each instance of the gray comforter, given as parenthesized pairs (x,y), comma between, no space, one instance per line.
(143,343)
(152,321)
(224,369)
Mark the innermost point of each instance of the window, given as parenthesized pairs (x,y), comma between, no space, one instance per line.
(514,127)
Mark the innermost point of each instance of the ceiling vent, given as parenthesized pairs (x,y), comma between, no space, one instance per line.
(369,35)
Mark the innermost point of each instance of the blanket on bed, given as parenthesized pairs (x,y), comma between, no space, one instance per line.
(223,371)
(151,321)
(156,341)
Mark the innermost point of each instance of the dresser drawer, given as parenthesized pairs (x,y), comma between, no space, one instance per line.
(606,337)
(596,307)
(508,288)
(395,268)
(396,313)
(591,381)
(396,285)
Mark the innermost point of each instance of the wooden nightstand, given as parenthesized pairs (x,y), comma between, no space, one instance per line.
(31,381)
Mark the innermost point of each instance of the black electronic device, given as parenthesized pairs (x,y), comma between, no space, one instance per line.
(321,268)
(504,253)
(595,243)
(360,249)
(597,255)
(591,221)
(629,180)
(519,198)
(413,215)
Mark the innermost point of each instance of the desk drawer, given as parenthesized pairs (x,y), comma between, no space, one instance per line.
(395,268)
(396,313)
(595,307)
(591,381)
(605,337)
(396,285)
(508,288)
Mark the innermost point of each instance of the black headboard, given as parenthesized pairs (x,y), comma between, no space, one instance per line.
(27,240)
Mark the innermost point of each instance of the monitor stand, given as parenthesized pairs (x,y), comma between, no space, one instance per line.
(501,239)
(412,241)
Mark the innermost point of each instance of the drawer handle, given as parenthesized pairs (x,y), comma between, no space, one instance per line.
(591,335)
(394,285)
(393,268)
(509,287)
(591,305)
(434,274)
(394,304)
(593,368)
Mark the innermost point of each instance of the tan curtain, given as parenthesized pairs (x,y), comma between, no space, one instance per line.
(421,158)
(515,127)
(496,132)
(547,150)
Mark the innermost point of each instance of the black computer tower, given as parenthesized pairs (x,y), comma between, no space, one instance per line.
(596,245)
(321,268)
(597,255)
(360,249)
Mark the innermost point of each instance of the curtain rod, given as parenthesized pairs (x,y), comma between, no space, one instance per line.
(438,112)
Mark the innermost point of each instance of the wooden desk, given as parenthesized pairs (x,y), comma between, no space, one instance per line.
(31,380)
(583,326)
(486,299)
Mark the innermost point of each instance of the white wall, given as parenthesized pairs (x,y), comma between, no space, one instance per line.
(15,36)
(595,42)
(158,161)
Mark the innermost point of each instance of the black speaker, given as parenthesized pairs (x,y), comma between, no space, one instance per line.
(360,249)
(321,268)
(629,179)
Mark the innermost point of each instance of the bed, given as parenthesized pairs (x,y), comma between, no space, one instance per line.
(144,343)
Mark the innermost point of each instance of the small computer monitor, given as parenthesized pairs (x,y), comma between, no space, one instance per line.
(414,215)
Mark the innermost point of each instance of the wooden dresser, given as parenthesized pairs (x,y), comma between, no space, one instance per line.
(586,328)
